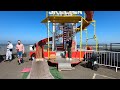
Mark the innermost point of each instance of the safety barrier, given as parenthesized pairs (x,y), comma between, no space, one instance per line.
(105,58)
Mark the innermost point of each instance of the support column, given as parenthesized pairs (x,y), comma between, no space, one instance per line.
(53,38)
(48,40)
(75,38)
(81,38)
(86,38)
(95,36)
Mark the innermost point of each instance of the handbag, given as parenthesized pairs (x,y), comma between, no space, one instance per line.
(10,49)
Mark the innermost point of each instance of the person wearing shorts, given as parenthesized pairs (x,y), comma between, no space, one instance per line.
(20,51)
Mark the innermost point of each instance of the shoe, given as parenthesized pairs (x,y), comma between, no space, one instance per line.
(10,60)
(5,60)
(67,59)
(70,59)
(22,61)
(19,63)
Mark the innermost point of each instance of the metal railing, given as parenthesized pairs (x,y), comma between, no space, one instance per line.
(105,58)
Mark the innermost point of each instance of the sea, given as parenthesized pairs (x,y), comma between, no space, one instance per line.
(3,48)
(101,47)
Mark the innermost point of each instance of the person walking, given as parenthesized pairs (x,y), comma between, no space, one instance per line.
(20,51)
(9,51)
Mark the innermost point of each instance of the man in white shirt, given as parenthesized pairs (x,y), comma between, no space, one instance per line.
(9,51)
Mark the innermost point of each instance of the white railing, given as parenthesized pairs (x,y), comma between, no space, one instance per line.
(105,58)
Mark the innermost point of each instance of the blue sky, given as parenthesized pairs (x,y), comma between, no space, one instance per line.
(26,26)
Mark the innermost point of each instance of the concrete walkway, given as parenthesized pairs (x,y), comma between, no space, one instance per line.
(11,70)
(40,70)
(81,72)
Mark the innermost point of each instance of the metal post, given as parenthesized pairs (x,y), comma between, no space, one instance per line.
(46,13)
(116,69)
(48,40)
(117,62)
(74,36)
(75,39)
(53,39)
(110,46)
(84,15)
(95,36)
(96,44)
(86,38)
(81,38)
(94,28)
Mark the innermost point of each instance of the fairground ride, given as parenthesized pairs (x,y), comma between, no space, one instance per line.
(65,25)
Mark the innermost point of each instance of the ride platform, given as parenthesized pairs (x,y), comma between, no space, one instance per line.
(63,19)
(68,19)
(76,59)
(54,57)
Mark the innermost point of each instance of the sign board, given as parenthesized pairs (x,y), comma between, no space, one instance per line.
(64,13)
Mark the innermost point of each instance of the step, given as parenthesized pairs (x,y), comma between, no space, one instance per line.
(59,47)
(64,66)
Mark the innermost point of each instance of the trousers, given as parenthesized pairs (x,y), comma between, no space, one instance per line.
(69,52)
(8,55)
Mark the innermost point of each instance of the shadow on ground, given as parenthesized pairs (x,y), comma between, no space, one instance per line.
(83,65)
(52,64)
(73,65)
(1,58)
